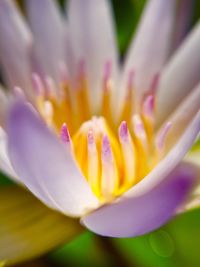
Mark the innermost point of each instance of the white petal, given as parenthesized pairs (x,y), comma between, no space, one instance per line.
(44,165)
(47,26)
(15,46)
(150,48)
(92,38)
(183,116)
(5,165)
(180,76)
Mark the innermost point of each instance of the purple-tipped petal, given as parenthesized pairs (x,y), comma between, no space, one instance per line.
(194,201)
(180,76)
(135,216)
(48,28)
(92,36)
(15,47)
(151,202)
(44,165)
(150,48)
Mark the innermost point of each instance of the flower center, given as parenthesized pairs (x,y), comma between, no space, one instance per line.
(113,156)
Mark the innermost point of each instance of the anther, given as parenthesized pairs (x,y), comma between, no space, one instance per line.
(50,86)
(107,71)
(64,134)
(161,136)
(131,76)
(148,107)
(154,84)
(48,112)
(37,84)
(128,152)
(109,176)
(93,163)
(139,130)
(63,75)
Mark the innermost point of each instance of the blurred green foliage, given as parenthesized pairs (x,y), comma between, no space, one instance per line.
(28,228)
(126,24)
(4,180)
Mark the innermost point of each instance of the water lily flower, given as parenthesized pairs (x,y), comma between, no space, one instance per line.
(93,138)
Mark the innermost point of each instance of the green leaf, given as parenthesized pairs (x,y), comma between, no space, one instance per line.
(4,180)
(29,229)
(127,14)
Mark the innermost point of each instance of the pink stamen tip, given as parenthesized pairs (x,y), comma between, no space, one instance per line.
(155,83)
(138,127)
(106,148)
(148,106)
(161,137)
(64,134)
(19,93)
(50,85)
(90,137)
(82,68)
(107,70)
(131,76)
(123,131)
(37,84)
(63,74)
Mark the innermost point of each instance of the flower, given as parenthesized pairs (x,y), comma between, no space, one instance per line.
(99,141)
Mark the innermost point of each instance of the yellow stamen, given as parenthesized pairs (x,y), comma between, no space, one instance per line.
(82,106)
(63,111)
(109,175)
(148,117)
(127,110)
(140,140)
(111,164)
(93,164)
(129,155)
(106,101)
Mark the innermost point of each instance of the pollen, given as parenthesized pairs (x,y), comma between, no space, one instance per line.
(112,155)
